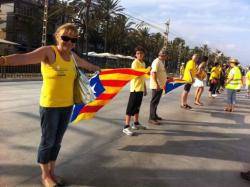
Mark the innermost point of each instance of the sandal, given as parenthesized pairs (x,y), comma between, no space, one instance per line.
(59,181)
(228,110)
(183,106)
(188,107)
(48,182)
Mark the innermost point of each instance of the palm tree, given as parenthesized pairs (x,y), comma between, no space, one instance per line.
(81,18)
(118,33)
(109,9)
(205,49)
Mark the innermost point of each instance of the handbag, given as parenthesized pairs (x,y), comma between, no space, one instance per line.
(214,81)
(82,92)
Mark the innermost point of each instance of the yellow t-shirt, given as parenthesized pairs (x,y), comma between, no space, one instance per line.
(215,73)
(137,84)
(58,82)
(190,71)
(158,67)
(248,78)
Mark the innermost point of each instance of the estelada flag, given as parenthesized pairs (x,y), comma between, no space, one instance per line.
(173,83)
(112,80)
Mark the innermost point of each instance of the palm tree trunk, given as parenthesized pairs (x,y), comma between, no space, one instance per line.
(88,2)
(106,36)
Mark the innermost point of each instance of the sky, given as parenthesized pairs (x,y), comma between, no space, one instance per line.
(221,24)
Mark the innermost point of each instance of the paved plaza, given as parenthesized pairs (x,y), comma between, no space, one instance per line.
(205,147)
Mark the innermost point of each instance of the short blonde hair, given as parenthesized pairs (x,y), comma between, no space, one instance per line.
(67,27)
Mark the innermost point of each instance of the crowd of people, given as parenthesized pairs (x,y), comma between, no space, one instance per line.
(59,72)
(226,76)
(221,76)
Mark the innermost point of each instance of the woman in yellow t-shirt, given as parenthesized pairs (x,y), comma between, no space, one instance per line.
(56,101)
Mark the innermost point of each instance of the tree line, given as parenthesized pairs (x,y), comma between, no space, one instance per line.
(104,27)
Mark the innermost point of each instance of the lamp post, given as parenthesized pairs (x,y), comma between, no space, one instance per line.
(45,22)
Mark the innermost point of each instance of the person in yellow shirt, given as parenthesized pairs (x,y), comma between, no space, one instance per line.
(214,80)
(182,68)
(56,100)
(189,75)
(233,84)
(137,90)
(199,80)
(248,82)
(218,88)
(158,78)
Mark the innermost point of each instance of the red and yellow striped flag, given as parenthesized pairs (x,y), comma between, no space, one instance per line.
(113,81)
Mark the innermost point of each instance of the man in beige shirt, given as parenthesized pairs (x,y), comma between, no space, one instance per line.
(158,77)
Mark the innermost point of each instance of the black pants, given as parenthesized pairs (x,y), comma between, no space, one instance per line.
(213,87)
(156,96)
(54,122)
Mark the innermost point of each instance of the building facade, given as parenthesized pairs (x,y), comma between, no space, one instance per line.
(21,22)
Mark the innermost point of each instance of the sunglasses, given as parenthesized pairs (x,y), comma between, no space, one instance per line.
(66,39)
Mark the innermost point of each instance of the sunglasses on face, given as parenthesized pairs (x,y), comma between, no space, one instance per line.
(66,39)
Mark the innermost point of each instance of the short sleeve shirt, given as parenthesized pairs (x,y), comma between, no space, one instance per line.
(215,73)
(248,78)
(158,67)
(137,84)
(190,71)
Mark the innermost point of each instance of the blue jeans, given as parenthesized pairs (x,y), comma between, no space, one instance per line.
(231,97)
(54,122)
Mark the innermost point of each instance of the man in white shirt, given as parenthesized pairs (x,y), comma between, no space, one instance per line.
(158,77)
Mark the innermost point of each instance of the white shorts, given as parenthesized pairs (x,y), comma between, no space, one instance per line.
(198,83)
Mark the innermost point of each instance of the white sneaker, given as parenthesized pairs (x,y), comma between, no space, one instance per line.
(134,127)
(214,95)
(128,132)
(138,127)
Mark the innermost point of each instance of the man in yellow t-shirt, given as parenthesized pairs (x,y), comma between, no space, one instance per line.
(189,75)
(158,77)
(248,82)
(137,90)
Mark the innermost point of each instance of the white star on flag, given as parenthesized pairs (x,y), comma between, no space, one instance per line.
(93,88)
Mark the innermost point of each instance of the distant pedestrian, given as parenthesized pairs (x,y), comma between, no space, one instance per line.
(137,90)
(233,84)
(158,77)
(189,75)
(182,68)
(199,80)
(56,100)
(248,82)
(223,76)
(214,80)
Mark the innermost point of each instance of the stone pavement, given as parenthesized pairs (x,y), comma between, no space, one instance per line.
(205,147)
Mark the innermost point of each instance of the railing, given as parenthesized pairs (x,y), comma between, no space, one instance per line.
(20,72)
(34,71)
